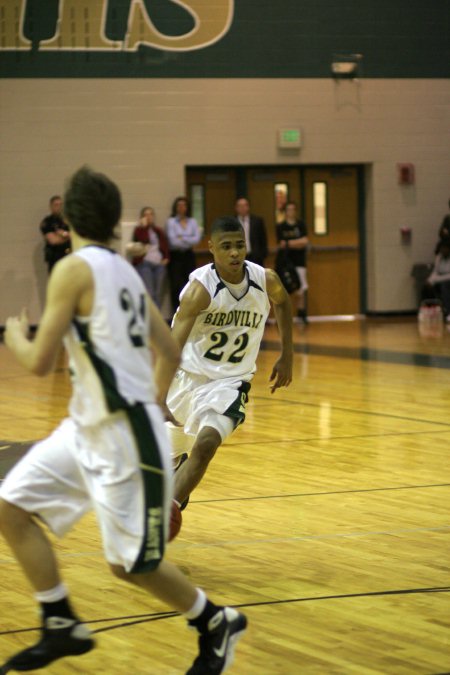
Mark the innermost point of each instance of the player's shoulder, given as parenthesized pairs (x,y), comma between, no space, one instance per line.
(206,276)
(70,276)
(272,279)
(204,272)
(196,295)
(255,272)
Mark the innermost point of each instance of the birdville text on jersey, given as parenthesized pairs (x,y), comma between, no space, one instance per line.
(235,318)
(80,25)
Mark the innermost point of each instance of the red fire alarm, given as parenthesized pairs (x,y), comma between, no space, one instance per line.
(405,173)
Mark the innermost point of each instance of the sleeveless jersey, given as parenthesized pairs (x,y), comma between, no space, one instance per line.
(109,358)
(225,338)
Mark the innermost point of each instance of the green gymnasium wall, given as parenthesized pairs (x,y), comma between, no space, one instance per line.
(231,38)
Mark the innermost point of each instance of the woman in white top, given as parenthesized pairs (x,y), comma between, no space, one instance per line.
(183,233)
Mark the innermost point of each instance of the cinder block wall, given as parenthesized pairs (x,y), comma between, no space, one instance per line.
(143,132)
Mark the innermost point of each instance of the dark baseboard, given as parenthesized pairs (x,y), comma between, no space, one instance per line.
(392,314)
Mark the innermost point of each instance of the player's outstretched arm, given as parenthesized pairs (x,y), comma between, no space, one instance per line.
(281,375)
(195,299)
(69,285)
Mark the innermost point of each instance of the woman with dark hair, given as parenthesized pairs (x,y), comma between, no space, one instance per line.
(150,252)
(183,233)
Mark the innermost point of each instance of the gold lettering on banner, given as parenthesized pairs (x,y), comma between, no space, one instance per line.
(212,20)
(81,27)
(12,13)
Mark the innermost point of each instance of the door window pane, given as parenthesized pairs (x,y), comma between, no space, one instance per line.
(320,208)
(198,204)
(281,196)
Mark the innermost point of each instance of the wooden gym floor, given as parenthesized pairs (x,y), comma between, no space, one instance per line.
(325,517)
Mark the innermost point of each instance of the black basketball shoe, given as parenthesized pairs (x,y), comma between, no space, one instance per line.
(183,458)
(60,637)
(218,644)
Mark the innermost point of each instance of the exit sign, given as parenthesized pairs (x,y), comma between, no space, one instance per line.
(289,138)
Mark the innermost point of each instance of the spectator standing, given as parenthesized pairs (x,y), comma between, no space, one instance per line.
(152,256)
(255,232)
(444,230)
(183,233)
(293,239)
(56,234)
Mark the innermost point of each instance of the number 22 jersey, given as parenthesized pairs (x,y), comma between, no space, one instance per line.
(226,336)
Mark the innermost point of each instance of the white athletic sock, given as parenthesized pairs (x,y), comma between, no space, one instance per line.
(198,606)
(52,595)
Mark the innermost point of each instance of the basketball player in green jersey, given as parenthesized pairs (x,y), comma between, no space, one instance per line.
(112,453)
(219,325)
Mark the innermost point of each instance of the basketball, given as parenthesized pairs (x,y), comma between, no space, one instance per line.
(175,520)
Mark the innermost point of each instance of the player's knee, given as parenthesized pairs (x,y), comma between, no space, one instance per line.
(120,572)
(3,516)
(12,518)
(137,579)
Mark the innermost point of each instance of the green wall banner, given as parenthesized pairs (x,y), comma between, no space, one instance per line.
(222,38)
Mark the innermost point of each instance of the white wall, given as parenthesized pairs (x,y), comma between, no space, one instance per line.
(142,132)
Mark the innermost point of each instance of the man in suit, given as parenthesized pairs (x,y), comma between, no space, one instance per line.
(255,232)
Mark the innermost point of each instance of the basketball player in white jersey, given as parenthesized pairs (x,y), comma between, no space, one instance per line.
(219,325)
(112,454)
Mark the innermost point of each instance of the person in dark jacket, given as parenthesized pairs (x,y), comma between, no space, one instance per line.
(56,234)
(255,232)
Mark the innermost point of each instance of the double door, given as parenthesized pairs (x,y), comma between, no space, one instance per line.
(328,202)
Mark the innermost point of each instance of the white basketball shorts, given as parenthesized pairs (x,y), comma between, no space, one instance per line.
(196,401)
(121,468)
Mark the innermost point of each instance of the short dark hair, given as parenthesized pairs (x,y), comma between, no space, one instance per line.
(92,204)
(226,224)
(54,198)
(175,204)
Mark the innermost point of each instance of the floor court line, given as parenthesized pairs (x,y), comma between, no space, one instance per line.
(373,413)
(135,619)
(319,494)
(371,354)
(339,438)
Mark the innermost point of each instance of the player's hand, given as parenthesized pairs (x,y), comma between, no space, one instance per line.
(16,326)
(168,415)
(281,373)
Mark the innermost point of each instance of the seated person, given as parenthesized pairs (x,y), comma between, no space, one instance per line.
(444,230)
(438,283)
